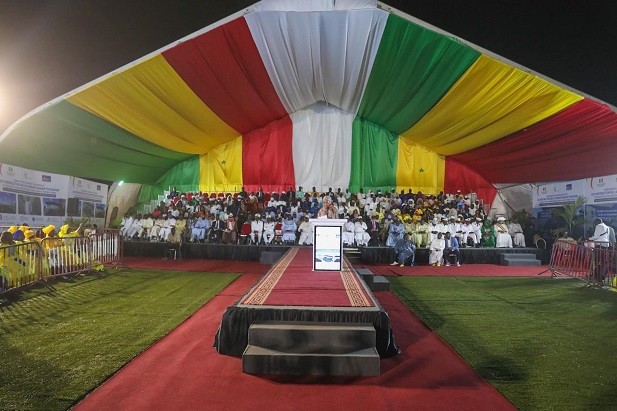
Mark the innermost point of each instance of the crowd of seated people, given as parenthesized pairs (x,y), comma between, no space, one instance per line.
(374,218)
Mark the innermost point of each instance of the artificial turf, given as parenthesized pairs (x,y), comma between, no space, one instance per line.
(545,344)
(60,342)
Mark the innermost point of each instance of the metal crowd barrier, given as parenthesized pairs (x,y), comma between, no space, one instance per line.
(20,264)
(26,263)
(595,263)
(107,247)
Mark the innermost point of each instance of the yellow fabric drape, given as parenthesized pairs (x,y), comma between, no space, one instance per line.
(490,101)
(153,102)
(419,168)
(221,169)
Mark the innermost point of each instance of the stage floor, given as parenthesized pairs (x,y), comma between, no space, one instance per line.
(291,291)
(291,282)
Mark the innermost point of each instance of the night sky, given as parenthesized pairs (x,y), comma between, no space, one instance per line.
(48,48)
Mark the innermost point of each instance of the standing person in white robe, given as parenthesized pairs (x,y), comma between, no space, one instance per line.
(516,232)
(348,232)
(306,232)
(257,229)
(502,235)
(362,237)
(433,229)
(289,230)
(437,246)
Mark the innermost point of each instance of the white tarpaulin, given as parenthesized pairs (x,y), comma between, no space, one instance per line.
(314,5)
(322,147)
(313,57)
(294,5)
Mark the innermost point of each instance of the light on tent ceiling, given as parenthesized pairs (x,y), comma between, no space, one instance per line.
(120,183)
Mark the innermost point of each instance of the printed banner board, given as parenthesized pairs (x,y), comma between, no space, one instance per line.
(38,199)
(596,190)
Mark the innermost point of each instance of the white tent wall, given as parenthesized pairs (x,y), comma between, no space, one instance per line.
(123,197)
(510,198)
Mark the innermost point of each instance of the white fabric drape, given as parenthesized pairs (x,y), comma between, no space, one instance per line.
(321,56)
(295,5)
(322,147)
(354,4)
(314,5)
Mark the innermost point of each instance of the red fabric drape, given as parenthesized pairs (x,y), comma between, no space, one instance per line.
(267,159)
(461,177)
(224,68)
(577,143)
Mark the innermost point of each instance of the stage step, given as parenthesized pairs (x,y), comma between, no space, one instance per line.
(260,361)
(270,257)
(519,259)
(366,275)
(380,283)
(353,255)
(303,348)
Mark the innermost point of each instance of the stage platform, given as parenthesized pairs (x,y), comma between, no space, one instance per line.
(290,291)
(370,255)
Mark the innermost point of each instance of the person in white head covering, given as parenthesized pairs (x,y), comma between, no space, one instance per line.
(502,235)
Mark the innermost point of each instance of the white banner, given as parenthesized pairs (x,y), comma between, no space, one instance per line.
(38,199)
(557,194)
(596,190)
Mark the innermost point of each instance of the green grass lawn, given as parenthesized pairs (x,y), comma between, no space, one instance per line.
(59,344)
(545,344)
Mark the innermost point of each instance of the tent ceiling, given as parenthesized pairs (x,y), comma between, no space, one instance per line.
(400,89)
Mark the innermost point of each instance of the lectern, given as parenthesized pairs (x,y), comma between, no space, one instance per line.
(327,244)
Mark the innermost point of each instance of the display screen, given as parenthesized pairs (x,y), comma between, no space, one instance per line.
(328,248)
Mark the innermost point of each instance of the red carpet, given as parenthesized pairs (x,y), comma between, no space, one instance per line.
(470,270)
(211,266)
(292,282)
(182,371)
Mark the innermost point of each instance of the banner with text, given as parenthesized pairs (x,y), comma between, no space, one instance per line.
(596,190)
(38,199)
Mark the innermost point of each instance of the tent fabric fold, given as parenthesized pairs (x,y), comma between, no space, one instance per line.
(224,69)
(419,168)
(576,143)
(460,177)
(267,157)
(374,156)
(322,140)
(221,169)
(69,139)
(152,101)
(414,67)
(489,101)
(320,56)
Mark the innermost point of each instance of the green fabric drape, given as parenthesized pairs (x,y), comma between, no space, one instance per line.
(98,149)
(374,157)
(184,177)
(414,67)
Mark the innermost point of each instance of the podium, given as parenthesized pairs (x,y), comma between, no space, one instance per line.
(327,244)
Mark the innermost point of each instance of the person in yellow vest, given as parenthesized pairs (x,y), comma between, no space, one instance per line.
(53,263)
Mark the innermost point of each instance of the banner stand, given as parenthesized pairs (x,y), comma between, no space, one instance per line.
(327,244)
